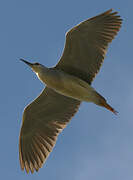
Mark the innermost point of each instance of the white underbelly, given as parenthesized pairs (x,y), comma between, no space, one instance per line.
(70,86)
(75,88)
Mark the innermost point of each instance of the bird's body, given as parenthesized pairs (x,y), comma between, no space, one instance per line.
(67,85)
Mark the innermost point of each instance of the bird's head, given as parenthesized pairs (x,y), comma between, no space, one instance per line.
(36,67)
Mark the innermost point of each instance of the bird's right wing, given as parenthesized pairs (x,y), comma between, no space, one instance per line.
(87,43)
(43,120)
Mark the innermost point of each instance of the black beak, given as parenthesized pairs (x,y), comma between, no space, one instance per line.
(26,62)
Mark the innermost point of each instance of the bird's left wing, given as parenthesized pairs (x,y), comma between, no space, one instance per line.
(43,120)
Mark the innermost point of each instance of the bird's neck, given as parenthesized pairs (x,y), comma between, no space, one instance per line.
(42,73)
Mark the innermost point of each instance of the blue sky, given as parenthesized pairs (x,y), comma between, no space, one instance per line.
(96,144)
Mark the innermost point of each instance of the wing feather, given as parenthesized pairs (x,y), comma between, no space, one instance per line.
(43,120)
(87,43)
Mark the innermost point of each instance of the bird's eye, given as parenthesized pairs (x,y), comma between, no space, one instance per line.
(36,63)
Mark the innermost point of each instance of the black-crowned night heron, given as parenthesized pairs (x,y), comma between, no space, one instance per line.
(67,85)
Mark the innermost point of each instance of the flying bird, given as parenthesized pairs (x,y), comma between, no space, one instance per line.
(67,85)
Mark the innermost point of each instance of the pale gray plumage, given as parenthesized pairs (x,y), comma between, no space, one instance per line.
(43,119)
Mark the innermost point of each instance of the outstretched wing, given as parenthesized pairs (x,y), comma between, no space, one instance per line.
(43,120)
(86,45)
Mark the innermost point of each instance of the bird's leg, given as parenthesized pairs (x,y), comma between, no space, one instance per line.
(102,102)
(107,106)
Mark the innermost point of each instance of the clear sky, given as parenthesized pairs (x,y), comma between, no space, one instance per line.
(96,145)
